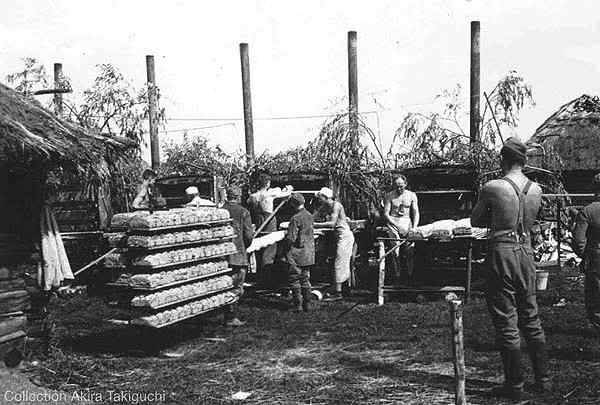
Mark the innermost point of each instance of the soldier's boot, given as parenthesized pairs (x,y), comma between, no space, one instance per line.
(296,300)
(306,298)
(539,363)
(512,388)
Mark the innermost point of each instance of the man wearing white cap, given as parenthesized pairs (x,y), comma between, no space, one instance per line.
(197,201)
(331,214)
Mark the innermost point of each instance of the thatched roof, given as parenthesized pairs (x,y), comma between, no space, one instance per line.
(29,131)
(573,132)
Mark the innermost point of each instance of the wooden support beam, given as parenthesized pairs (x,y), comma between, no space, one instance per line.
(247,99)
(153,112)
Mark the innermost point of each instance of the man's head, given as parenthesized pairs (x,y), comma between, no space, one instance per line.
(325,195)
(400,183)
(264,181)
(514,154)
(149,176)
(234,193)
(297,201)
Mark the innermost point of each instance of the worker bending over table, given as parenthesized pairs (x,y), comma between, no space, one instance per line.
(260,204)
(147,196)
(401,213)
(509,207)
(331,214)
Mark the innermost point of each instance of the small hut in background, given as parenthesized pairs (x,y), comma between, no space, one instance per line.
(571,143)
(33,144)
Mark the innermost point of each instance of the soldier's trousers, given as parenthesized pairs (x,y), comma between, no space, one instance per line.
(511,296)
(592,287)
(299,276)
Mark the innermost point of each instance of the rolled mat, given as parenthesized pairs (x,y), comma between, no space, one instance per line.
(13,301)
(12,324)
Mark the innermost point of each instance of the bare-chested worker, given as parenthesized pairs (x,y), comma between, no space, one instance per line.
(509,207)
(401,212)
(260,204)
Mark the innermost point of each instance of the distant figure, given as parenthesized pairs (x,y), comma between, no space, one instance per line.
(586,243)
(331,214)
(196,200)
(243,230)
(148,197)
(260,204)
(401,212)
(300,253)
(509,207)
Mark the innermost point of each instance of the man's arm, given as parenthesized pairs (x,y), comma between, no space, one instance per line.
(482,216)
(246,229)
(387,207)
(415,216)
(580,233)
(292,232)
(137,202)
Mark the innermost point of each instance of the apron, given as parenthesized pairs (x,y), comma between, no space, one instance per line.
(343,255)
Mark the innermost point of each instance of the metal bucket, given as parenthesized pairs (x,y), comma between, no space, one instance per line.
(541,279)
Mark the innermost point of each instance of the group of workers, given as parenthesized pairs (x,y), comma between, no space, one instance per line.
(508,207)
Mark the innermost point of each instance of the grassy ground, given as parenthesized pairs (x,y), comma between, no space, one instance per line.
(398,353)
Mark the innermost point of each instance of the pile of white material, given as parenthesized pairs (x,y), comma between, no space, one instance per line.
(183,255)
(183,292)
(266,240)
(178,216)
(187,310)
(167,277)
(446,229)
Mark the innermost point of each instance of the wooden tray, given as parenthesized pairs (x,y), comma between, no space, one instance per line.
(192,298)
(180,245)
(177,264)
(176,227)
(173,284)
(138,322)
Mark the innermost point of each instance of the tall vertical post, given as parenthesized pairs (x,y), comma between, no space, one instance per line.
(352,83)
(152,112)
(58,98)
(247,96)
(474,82)
(458,348)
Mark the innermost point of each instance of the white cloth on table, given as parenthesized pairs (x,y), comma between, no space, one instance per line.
(442,228)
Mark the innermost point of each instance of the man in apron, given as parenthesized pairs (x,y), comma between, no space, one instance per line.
(509,207)
(331,214)
(260,204)
(586,238)
(401,212)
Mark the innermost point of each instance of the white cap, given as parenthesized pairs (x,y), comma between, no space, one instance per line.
(325,192)
(192,190)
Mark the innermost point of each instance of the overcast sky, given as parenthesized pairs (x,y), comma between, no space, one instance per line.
(408,51)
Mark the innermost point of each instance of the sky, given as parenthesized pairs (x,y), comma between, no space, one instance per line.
(408,52)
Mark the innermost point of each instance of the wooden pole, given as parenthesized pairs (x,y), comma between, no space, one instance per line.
(58,100)
(353,83)
(469,270)
(458,350)
(152,112)
(247,98)
(381,274)
(475,82)
(558,230)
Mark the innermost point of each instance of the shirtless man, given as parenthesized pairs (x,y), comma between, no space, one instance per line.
(260,204)
(401,208)
(401,212)
(147,196)
(509,207)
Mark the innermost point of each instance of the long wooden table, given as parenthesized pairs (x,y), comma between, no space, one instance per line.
(466,240)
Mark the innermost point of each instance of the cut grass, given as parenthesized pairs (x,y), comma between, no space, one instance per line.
(398,353)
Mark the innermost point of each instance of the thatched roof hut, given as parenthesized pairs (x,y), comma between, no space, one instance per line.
(571,141)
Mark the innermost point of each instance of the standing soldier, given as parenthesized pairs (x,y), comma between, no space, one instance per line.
(243,230)
(509,207)
(301,253)
(586,238)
